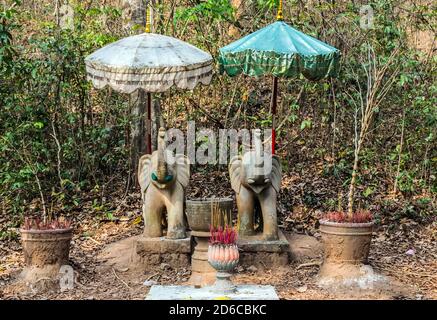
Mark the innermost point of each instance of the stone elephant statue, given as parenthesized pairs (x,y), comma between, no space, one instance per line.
(163,179)
(256,181)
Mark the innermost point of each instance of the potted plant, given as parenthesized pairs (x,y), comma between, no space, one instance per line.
(347,235)
(46,247)
(346,240)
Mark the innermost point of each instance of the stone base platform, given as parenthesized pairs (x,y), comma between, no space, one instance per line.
(263,253)
(242,292)
(337,276)
(154,251)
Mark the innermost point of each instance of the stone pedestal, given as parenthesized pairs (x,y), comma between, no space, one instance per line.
(202,273)
(154,251)
(347,276)
(263,253)
(199,219)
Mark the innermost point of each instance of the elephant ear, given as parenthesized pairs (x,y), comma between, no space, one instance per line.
(235,173)
(183,169)
(276,173)
(144,172)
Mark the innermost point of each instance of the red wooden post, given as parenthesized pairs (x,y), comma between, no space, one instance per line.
(273,108)
(149,123)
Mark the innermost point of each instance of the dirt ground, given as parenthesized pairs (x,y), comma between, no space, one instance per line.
(407,256)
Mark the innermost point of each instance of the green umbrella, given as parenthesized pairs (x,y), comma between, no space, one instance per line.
(281,51)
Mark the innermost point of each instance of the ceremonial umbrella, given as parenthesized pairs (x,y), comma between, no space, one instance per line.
(281,51)
(149,62)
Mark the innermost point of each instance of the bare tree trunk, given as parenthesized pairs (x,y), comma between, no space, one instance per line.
(138,132)
(378,85)
(350,206)
(57,7)
(357,148)
(157,122)
(239,6)
(134,22)
(334,124)
(134,15)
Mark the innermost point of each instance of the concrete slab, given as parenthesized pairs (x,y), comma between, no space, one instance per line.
(242,292)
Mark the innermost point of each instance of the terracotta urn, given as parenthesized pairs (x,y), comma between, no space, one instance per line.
(46,247)
(347,246)
(45,252)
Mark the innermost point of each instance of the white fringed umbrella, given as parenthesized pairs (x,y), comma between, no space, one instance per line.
(149,62)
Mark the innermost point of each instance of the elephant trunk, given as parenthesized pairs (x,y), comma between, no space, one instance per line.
(259,174)
(162,170)
(258,148)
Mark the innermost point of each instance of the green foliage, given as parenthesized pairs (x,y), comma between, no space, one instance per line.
(213,9)
(7,25)
(270,4)
(45,100)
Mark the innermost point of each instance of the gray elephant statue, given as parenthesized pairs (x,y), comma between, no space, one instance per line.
(163,179)
(256,181)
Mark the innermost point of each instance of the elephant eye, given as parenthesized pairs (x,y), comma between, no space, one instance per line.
(154,177)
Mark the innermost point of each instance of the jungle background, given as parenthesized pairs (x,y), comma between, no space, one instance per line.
(65,146)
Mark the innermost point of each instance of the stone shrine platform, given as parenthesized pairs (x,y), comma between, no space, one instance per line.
(264,253)
(154,251)
(242,292)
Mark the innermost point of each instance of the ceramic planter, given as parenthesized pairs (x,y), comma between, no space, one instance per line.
(46,247)
(346,242)
(223,258)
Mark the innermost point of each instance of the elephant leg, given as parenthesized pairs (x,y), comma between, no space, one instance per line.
(267,201)
(153,206)
(176,228)
(245,204)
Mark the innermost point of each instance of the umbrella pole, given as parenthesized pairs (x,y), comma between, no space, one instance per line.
(273,108)
(149,123)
